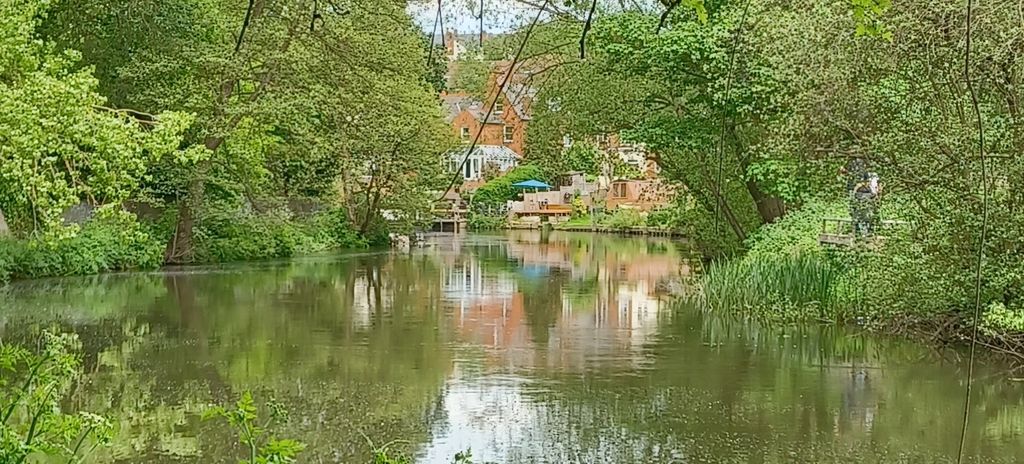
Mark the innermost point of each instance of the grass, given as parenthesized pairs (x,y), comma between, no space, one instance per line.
(581,221)
(796,287)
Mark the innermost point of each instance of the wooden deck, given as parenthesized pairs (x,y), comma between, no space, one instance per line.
(450,220)
(839,231)
(550,210)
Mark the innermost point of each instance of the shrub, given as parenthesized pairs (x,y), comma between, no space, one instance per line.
(670,217)
(112,241)
(795,233)
(623,219)
(496,192)
(224,236)
(333,230)
(999,319)
(244,236)
(478,222)
(579,209)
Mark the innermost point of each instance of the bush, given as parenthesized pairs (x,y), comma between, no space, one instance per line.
(500,190)
(670,217)
(112,241)
(229,237)
(795,233)
(623,219)
(998,319)
(478,222)
(332,230)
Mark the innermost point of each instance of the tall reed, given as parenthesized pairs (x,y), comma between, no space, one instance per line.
(801,286)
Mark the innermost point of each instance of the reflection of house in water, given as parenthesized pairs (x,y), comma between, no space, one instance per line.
(369,299)
(568,303)
(486,305)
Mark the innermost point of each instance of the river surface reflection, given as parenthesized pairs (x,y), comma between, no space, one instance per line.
(521,347)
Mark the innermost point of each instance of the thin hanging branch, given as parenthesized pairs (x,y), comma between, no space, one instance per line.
(316,16)
(245,25)
(490,108)
(433,33)
(586,30)
(481,25)
(984,230)
(728,92)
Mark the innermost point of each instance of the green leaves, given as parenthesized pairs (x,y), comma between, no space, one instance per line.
(59,143)
(867,17)
(32,391)
(698,8)
(245,419)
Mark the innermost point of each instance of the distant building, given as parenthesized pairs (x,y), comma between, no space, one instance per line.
(501,158)
(502,134)
(454,47)
(642,195)
(631,154)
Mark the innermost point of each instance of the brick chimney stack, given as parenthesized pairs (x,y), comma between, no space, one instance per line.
(449,42)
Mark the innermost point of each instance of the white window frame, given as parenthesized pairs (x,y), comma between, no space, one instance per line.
(499,106)
(508,133)
(465,134)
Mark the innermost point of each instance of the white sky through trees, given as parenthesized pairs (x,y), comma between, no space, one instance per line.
(461,15)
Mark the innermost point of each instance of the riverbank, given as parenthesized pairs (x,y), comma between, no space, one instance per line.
(658,223)
(786,275)
(115,240)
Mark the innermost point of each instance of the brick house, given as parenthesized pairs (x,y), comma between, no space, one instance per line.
(502,134)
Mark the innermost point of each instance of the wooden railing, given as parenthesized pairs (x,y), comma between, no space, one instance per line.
(450,214)
(840,231)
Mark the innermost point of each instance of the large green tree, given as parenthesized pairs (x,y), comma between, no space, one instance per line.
(60,142)
(283,90)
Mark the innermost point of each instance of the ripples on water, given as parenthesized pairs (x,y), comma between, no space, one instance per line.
(561,348)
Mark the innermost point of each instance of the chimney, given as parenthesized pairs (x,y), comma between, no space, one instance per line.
(449,42)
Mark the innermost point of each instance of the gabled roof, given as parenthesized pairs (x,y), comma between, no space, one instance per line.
(456,103)
(519,96)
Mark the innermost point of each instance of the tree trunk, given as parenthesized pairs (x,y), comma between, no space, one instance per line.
(770,208)
(180,249)
(4,230)
(723,204)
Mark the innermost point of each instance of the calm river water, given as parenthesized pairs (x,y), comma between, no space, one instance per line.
(523,348)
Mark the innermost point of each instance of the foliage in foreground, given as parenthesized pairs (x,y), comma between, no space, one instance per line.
(33,386)
(254,432)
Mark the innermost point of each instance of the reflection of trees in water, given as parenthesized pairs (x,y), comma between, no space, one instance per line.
(283,330)
(710,389)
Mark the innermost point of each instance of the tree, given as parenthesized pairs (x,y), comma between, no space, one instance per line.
(60,142)
(265,93)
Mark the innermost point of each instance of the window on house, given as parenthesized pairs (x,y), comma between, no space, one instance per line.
(465,134)
(499,106)
(508,133)
(619,190)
